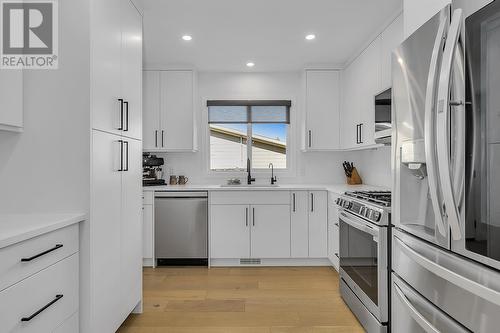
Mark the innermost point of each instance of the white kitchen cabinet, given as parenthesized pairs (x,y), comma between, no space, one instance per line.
(270,231)
(131,227)
(151,114)
(322,105)
(230,231)
(116,230)
(169,121)
(361,84)
(11,100)
(147,234)
(116,56)
(318,227)
(390,39)
(299,224)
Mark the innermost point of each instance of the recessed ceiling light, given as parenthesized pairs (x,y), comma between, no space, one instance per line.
(310,37)
(250,64)
(187,37)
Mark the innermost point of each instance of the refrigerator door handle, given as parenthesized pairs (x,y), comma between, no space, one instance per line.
(417,316)
(430,153)
(450,206)
(473,287)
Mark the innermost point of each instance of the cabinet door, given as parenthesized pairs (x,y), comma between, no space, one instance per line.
(336,246)
(151,113)
(270,237)
(390,39)
(333,236)
(131,227)
(147,232)
(349,114)
(299,225)
(229,231)
(106,65)
(11,100)
(176,111)
(368,74)
(322,109)
(105,233)
(131,69)
(318,232)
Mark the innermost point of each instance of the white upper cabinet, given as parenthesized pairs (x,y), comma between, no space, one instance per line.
(11,100)
(322,105)
(391,38)
(116,78)
(365,77)
(169,122)
(361,84)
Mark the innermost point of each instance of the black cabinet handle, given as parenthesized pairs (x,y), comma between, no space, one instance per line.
(121,114)
(126,115)
(357,134)
(337,255)
(293,202)
(246,217)
(156,138)
(253,216)
(58,246)
(312,202)
(126,159)
(162,143)
(121,155)
(360,133)
(310,138)
(58,297)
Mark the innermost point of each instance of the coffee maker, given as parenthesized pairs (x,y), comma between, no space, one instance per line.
(152,171)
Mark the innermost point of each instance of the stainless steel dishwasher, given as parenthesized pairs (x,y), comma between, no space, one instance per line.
(181,228)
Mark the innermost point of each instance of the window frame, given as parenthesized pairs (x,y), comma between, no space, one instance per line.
(290,138)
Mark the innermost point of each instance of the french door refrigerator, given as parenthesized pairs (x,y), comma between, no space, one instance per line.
(446,154)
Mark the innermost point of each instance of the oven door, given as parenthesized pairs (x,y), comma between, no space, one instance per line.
(363,262)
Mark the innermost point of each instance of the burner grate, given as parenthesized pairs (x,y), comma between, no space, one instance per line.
(382,198)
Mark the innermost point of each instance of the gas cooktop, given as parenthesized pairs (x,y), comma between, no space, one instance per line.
(380,198)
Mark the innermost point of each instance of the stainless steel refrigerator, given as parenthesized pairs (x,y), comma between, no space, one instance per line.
(446,155)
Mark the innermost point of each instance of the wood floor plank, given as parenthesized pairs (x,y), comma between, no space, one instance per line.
(242,300)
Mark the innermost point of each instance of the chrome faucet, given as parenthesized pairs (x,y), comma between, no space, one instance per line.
(249,177)
(273,177)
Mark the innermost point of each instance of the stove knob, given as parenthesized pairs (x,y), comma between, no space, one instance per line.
(362,211)
(376,216)
(347,204)
(368,213)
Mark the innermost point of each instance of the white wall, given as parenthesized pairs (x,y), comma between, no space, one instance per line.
(46,168)
(317,167)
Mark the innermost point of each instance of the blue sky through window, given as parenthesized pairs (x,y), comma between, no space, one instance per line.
(273,131)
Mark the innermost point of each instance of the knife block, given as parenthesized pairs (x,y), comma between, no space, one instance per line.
(355,179)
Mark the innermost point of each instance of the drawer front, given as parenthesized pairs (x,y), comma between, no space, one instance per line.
(38,253)
(248,197)
(41,293)
(148,197)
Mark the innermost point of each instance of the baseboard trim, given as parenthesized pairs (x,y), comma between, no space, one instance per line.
(272,262)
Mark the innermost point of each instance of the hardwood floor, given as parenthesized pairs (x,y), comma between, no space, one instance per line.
(237,300)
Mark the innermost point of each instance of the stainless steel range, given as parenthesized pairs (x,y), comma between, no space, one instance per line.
(364,219)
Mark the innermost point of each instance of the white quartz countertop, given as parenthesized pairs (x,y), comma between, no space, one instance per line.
(337,188)
(15,228)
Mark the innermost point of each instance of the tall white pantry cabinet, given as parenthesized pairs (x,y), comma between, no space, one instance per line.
(112,287)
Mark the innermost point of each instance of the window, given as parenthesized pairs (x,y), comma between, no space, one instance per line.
(233,123)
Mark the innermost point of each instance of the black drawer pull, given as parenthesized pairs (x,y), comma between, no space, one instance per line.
(58,246)
(58,297)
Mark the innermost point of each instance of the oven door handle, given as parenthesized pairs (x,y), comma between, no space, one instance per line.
(359,225)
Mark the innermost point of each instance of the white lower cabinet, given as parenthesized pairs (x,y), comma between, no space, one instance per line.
(230,231)
(268,225)
(270,231)
(53,290)
(318,232)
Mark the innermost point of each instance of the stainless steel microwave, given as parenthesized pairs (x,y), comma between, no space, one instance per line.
(383,130)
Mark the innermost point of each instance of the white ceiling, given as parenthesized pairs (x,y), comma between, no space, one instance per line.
(229,33)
